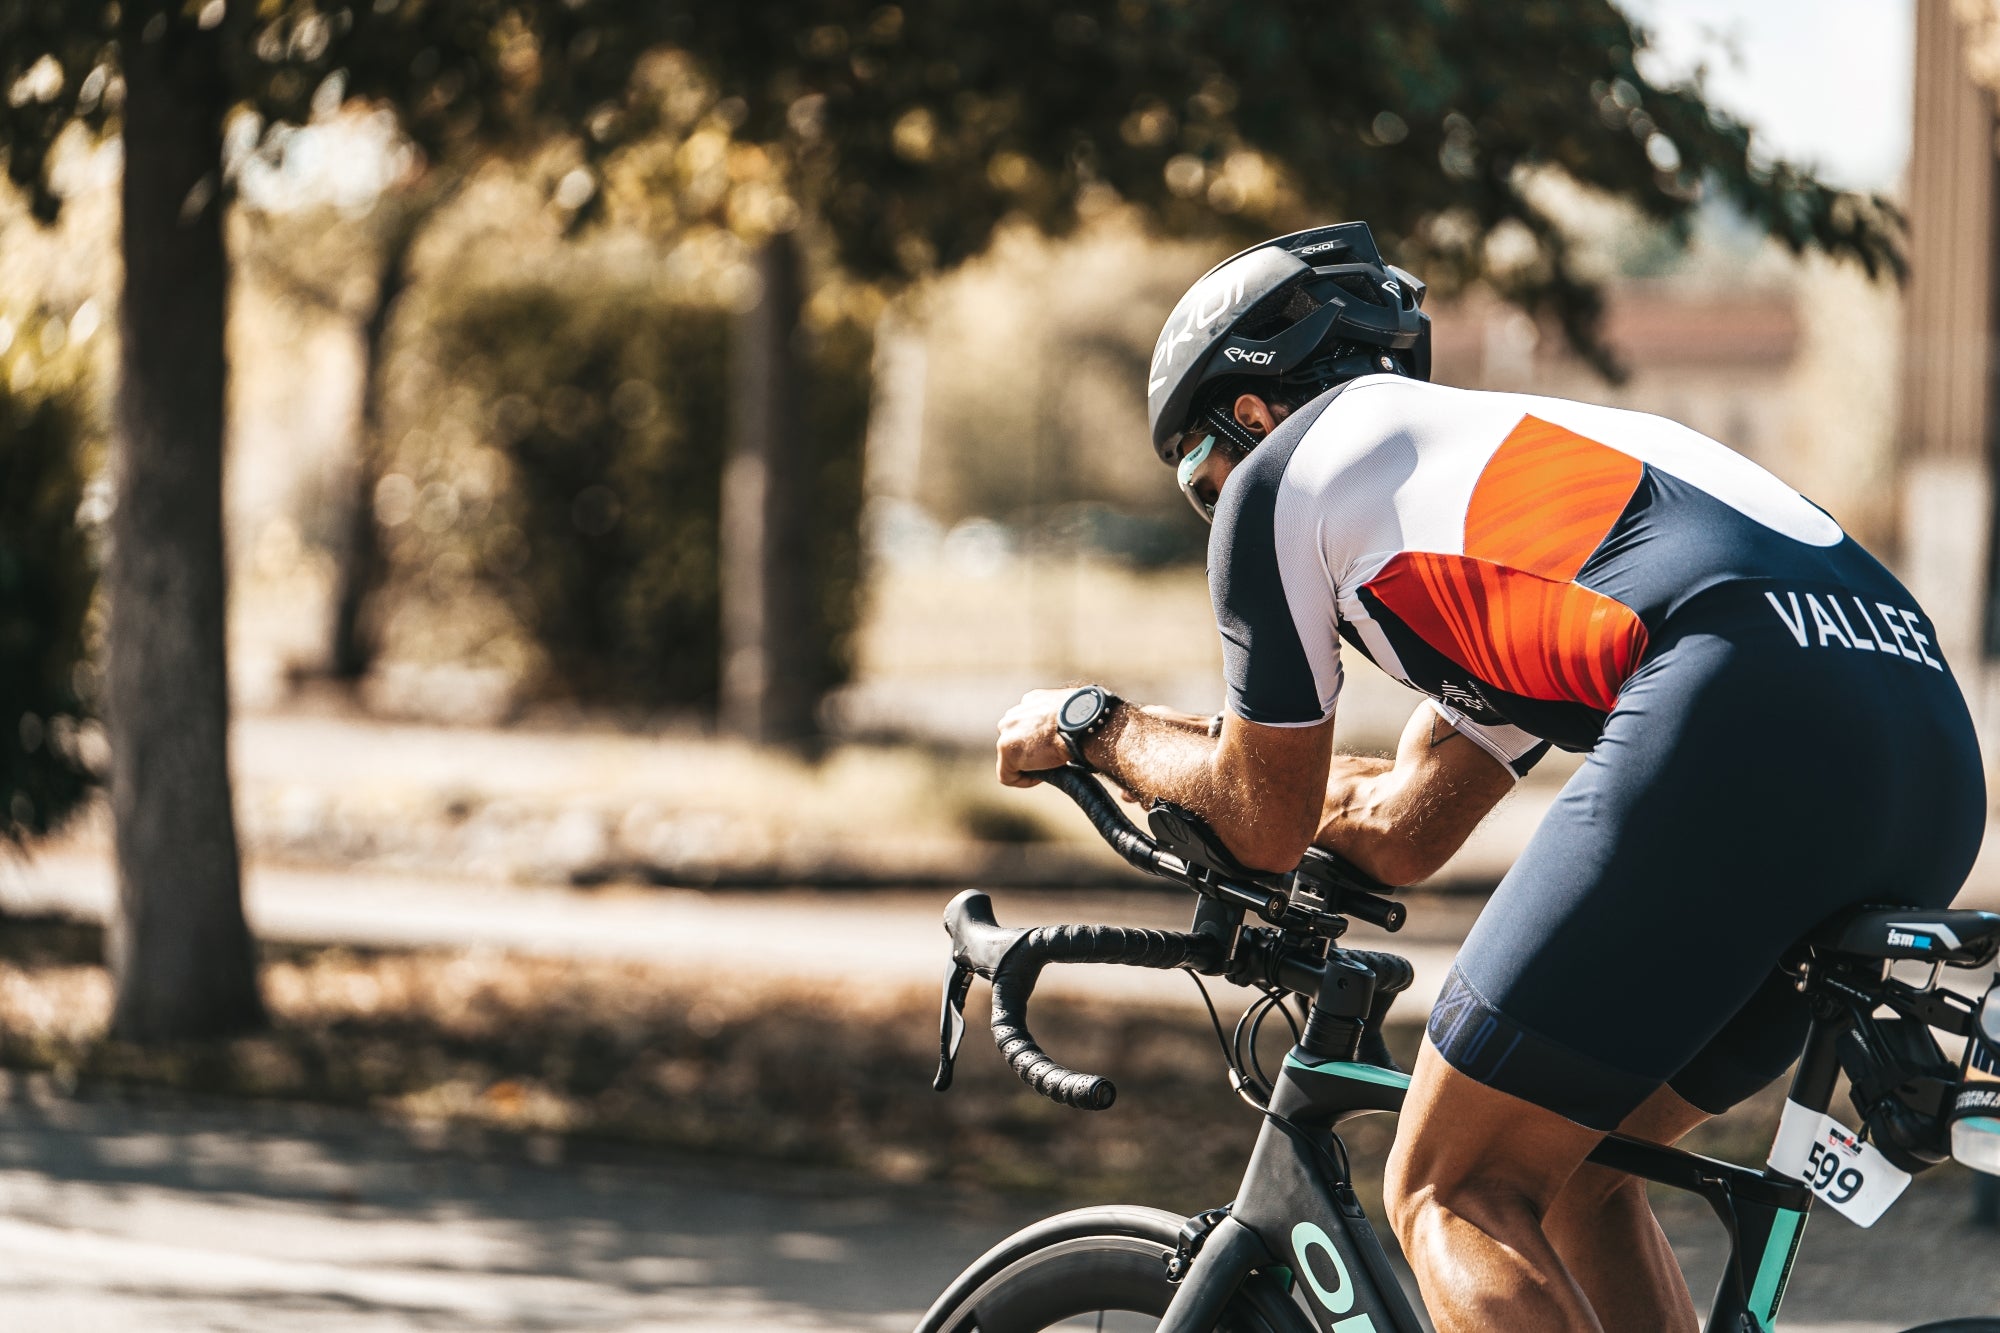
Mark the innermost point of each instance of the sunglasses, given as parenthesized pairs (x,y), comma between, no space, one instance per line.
(1200,494)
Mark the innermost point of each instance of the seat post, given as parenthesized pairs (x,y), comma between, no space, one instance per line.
(1819,1066)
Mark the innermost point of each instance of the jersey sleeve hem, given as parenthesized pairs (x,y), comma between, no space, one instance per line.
(1252,715)
(1516,750)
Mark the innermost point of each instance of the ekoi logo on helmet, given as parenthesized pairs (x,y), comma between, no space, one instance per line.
(1238,354)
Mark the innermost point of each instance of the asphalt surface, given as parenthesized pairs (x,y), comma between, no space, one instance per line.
(225,1218)
(238,1217)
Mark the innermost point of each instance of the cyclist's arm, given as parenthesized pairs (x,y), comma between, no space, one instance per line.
(1260,788)
(1199,722)
(1401,821)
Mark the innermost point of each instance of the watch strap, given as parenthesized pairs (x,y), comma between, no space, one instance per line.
(1073,736)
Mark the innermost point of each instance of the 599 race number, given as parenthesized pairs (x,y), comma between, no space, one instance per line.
(1835,1183)
(1832,1161)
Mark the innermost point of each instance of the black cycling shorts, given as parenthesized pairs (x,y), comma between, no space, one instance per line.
(1759,773)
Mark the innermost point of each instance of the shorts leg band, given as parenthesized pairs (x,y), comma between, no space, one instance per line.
(1488,1047)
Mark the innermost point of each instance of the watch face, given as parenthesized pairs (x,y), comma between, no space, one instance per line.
(1081,708)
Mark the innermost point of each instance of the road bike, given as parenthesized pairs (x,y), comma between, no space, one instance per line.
(1294,1251)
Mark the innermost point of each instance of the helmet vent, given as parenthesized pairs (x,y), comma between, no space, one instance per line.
(1277,312)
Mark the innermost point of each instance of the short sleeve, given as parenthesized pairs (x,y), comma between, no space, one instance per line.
(1513,747)
(1280,645)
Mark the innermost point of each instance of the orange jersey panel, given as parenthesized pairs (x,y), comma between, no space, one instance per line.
(1520,632)
(1546,499)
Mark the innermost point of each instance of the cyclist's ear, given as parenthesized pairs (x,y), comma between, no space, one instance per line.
(1257,416)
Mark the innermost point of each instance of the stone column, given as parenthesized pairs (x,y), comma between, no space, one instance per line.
(1948,383)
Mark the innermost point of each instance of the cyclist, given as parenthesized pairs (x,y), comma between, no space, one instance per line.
(1770,728)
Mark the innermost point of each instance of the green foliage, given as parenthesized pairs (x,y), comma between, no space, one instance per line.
(47,577)
(566,459)
(913,128)
(910,131)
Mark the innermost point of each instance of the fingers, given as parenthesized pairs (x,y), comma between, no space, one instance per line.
(1028,740)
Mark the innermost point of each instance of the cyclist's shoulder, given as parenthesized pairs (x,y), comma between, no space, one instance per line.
(1375,412)
(1434,432)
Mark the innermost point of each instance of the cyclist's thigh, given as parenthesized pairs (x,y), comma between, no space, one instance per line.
(1744,789)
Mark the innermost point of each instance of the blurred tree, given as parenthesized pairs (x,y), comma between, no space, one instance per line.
(909,131)
(905,133)
(555,456)
(47,576)
(166,73)
(394,227)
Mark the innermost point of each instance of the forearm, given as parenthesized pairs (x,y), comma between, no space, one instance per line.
(1262,812)
(1401,821)
(1353,810)
(1203,724)
(1366,818)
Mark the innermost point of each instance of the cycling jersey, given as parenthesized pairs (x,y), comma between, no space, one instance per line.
(1511,556)
(1772,731)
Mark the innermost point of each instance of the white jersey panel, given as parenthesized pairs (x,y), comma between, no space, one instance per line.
(1383,471)
(1421,447)
(1299,533)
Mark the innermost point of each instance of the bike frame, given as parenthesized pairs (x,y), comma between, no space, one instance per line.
(1297,1211)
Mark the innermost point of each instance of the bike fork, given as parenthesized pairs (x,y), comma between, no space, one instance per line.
(1231,1251)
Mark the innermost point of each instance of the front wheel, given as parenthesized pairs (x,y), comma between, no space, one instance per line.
(1093,1269)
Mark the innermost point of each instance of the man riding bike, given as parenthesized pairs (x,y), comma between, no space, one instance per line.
(1771,730)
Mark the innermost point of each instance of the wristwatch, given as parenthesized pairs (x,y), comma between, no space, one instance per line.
(1084,714)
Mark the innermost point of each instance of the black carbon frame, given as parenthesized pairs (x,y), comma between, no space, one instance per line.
(1296,1209)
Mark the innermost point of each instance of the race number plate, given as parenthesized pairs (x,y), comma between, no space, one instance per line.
(1852,1176)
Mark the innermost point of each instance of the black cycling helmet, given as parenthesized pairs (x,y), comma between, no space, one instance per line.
(1308,310)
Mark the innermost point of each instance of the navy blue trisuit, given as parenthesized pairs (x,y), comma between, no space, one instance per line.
(1771,731)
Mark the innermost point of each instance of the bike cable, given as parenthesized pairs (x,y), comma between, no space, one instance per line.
(1241,1064)
(1274,1000)
(1237,1081)
(1342,1167)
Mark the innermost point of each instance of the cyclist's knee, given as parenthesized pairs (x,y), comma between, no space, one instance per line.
(1476,1152)
(1419,1200)
(1593,1191)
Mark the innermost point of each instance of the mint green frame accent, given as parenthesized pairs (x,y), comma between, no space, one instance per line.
(1776,1266)
(1388,1078)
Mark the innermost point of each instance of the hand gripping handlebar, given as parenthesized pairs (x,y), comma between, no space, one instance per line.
(1012,959)
(1308,907)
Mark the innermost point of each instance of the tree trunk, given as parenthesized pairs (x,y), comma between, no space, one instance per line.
(180,951)
(770,658)
(359,571)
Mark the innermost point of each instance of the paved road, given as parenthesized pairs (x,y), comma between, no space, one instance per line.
(890,939)
(121,1217)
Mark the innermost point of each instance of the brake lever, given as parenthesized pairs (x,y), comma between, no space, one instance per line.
(951,1021)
